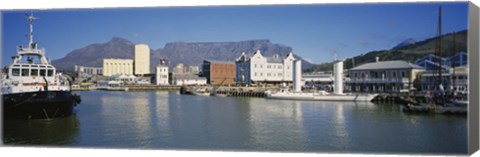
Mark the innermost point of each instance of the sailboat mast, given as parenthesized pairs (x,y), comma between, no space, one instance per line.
(438,46)
(452,63)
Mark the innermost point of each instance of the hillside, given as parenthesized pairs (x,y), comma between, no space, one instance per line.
(408,52)
(175,52)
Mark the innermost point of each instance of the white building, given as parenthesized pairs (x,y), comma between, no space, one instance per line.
(179,69)
(185,69)
(257,69)
(113,66)
(190,81)
(88,70)
(142,59)
(319,80)
(161,73)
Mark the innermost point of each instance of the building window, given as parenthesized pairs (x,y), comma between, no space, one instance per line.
(279,74)
(255,74)
(394,74)
(255,65)
(403,74)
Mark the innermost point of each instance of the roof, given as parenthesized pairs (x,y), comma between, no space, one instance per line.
(274,59)
(220,62)
(191,78)
(387,65)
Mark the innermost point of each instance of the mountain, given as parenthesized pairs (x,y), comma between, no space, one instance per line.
(409,53)
(175,52)
(92,55)
(404,43)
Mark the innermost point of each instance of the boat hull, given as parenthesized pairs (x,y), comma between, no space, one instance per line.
(39,105)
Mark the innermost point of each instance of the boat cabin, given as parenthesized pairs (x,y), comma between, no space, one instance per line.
(31,70)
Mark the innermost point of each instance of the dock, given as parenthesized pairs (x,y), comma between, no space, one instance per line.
(152,87)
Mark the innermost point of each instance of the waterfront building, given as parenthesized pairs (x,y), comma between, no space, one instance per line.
(181,81)
(86,74)
(433,62)
(459,77)
(179,69)
(161,73)
(219,72)
(383,76)
(125,78)
(193,69)
(453,80)
(81,70)
(112,66)
(142,59)
(453,72)
(182,68)
(260,70)
(318,80)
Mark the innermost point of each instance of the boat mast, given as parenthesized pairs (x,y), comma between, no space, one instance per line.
(452,64)
(438,45)
(31,18)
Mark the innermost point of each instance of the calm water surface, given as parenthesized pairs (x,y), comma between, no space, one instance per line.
(168,120)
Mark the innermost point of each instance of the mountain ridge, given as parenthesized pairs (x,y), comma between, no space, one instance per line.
(188,53)
(408,53)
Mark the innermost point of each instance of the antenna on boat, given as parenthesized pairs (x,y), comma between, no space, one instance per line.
(31,18)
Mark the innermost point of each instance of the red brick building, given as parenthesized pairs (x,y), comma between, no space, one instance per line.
(219,72)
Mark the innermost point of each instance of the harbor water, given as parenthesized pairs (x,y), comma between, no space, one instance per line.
(168,120)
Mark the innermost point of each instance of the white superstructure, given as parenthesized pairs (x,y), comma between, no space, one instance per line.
(31,71)
(256,68)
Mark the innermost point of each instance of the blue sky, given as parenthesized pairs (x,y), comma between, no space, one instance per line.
(314,32)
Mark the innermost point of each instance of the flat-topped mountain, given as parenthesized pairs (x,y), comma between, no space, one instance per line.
(175,52)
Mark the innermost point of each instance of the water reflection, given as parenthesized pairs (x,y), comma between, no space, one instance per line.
(60,131)
(168,120)
(276,124)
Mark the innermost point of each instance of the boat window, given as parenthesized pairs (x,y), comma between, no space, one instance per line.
(16,65)
(25,72)
(34,72)
(50,72)
(34,65)
(24,65)
(15,72)
(43,72)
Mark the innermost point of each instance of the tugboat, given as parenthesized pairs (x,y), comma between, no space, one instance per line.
(32,88)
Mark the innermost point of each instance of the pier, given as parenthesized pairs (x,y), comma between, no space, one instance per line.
(152,87)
